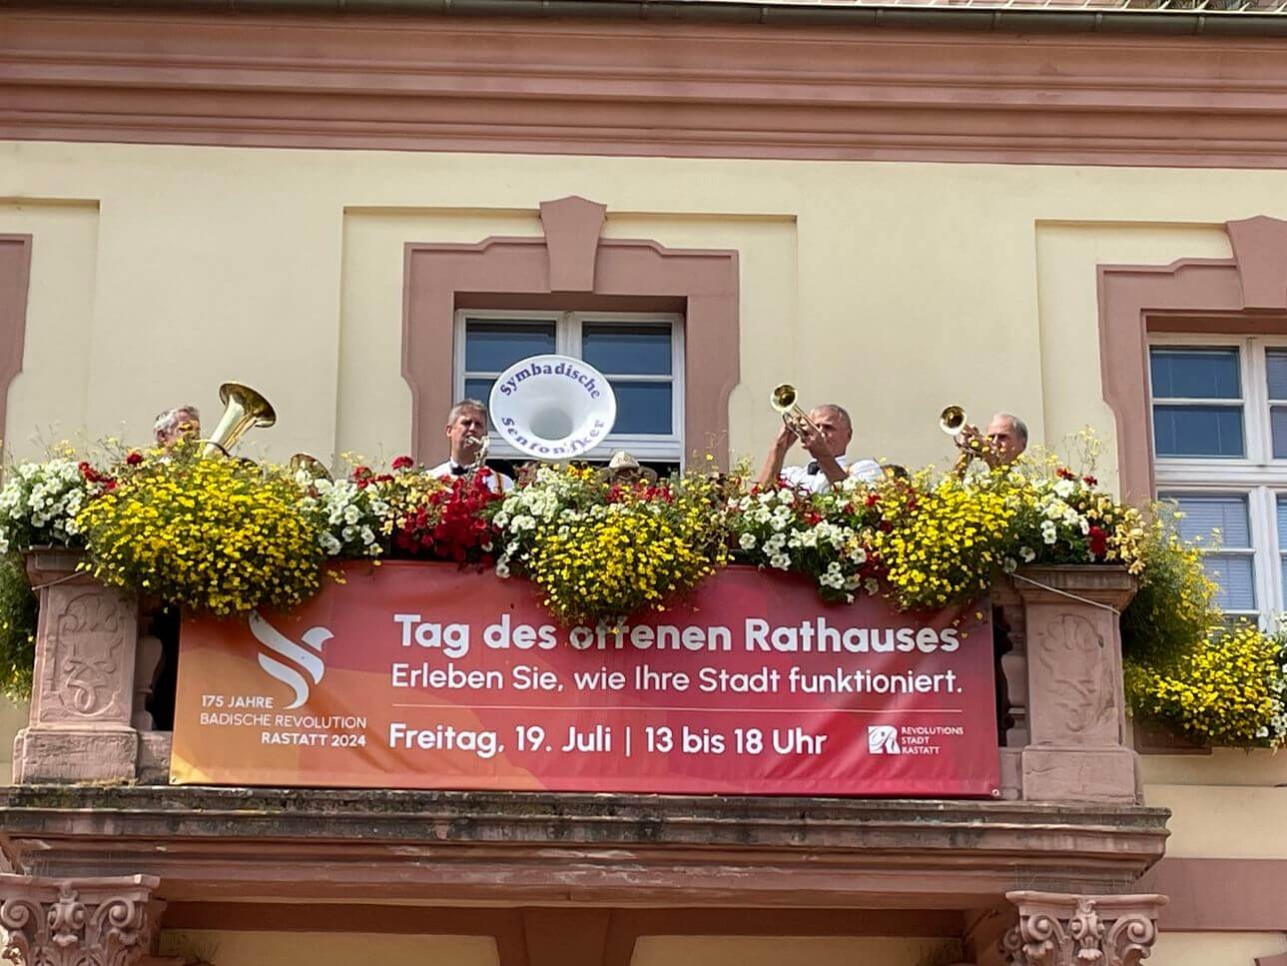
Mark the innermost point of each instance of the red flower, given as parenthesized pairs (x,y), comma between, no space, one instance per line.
(91,475)
(873,499)
(1090,481)
(403,463)
(1065,474)
(1098,542)
(134,458)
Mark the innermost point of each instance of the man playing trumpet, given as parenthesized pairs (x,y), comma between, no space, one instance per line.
(467,434)
(826,435)
(1004,442)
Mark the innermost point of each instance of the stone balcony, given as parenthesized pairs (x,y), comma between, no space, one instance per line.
(91,804)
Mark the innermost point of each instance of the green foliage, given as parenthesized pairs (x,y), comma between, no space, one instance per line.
(17,627)
(1175,609)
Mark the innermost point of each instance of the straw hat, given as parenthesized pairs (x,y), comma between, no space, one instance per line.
(622,465)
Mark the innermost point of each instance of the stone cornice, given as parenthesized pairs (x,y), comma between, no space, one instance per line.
(574,87)
(210,843)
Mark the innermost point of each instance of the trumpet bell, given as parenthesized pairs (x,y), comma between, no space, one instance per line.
(952,420)
(553,407)
(783,398)
(243,408)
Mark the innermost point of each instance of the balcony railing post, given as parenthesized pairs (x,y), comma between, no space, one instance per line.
(1076,747)
(83,693)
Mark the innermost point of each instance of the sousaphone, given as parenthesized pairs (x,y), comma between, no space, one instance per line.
(552,407)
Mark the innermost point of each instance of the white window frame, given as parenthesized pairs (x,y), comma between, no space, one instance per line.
(1257,475)
(647,447)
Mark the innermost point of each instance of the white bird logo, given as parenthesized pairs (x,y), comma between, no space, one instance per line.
(281,645)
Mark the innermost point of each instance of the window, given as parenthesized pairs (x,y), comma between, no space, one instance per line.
(640,354)
(1220,449)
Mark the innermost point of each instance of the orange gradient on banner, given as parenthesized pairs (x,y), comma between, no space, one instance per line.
(414,675)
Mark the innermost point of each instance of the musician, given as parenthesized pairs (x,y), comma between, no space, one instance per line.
(466,432)
(176,424)
(826,446)
(1004,441)
(624,470)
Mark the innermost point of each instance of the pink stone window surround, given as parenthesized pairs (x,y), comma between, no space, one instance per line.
(572,269)
(1235,304)
(15,278)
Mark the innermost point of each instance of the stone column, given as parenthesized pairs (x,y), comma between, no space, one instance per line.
(82,702)
(1077,748)
(78,922)
(1070,930)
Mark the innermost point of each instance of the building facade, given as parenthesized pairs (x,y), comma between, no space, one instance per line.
(1074,213)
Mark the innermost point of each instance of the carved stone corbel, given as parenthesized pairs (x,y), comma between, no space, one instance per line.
(108,921)
(1071,930)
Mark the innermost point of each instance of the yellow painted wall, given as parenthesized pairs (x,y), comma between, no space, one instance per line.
(1216,949)
(229,948)
(159,272)
(894,288)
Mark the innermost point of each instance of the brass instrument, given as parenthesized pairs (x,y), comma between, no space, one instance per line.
(243,408)
(783,399)
(952,420)
(483,444)
(310,465)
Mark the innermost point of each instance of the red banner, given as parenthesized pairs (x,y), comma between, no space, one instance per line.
(421,676)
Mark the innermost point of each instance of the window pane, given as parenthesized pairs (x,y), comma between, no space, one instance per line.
(1236,578)
(1278,425)
(495,346)
(1276,360)
(1195,373)
(626,350)
(1197,430)
(643,407)
(480,389)
(1203,515)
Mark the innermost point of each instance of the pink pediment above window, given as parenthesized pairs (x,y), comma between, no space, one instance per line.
(572,268)
(1246,294)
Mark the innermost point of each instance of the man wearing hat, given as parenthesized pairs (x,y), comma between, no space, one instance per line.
(623,469)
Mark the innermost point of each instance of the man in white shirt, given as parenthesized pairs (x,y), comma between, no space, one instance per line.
(467,433)
(1005,440)
(827,447)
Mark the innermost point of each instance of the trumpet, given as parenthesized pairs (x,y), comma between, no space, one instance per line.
(783,399)
(243,408)
(952,420)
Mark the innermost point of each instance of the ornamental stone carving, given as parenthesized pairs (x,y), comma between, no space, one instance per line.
(82,702)
(1073,657)
(89,639)
(77,922)
(1076,710)
(1070,930)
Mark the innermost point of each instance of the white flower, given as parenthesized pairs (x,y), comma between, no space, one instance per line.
(502,569)
(1065,488)
(747,541)
(1027,554)
(781,561)
(330,545)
